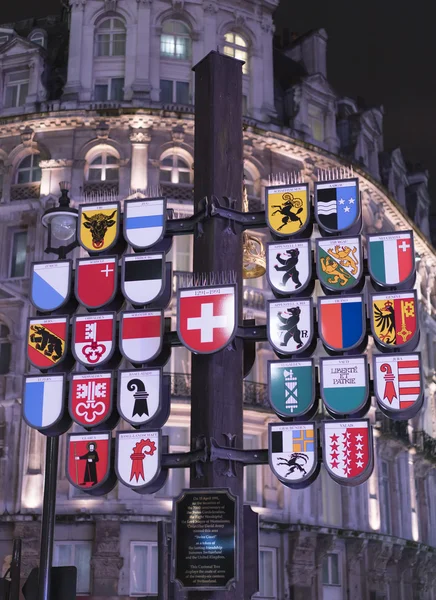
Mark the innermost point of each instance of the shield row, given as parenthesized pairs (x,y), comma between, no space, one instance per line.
(344,386)
(339,263)
(141,399)
(96,281)
(337,208)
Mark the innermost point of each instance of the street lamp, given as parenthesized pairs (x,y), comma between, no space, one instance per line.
(61,222)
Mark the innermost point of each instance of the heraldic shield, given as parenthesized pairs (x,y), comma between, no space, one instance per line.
(88,460)
(287,209)
(394,321)
(339,263)
(91,398)
(337,204)
(98,226)
(144,222)
(141,335)
(289,266)
(391,258)
(137,462)
(139,395)
(341,322)
(293,453)
(398,384)
(47,341)
(290,325)
(344,384)
(96,281)
(50,284)
(93,338)
(43,401)
(143,277)
(347,449)
(291,387)
(206,317)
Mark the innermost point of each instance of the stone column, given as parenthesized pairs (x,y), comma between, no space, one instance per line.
(306,553)
(29,533)
(106,561)
(72,88)
(268,106)
(140,139)
(141,85)
(379,554)
(355,551)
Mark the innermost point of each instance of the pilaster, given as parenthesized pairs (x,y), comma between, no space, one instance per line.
(106,561)
(140,139)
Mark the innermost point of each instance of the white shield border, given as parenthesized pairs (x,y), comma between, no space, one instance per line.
(390,234)
(91,316)
(123,270)
(210,287)
(162,328)
(159,457)
(333,240)
(359,211)
(326,359)
(54,318)
(122,415)
(307,477)
(309,209)
(86,207)
(111,398)
(276,362)
(76,280)
(362,303)
(50,262)
(282,350)
(108,471)
(410,344)
(309,266)
(164,216)
(396,411)
(61,415)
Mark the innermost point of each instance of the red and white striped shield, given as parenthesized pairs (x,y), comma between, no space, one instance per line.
(93,338)
(397,379)
(141,335)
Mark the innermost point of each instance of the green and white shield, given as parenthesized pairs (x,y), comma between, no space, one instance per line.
(339,262)
(344,384)
(291,387)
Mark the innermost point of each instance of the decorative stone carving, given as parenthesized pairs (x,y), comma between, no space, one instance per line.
(30,534)
(178,134)
(210,8)
(27,136)
(421,573)
(55,163)
(178,4)
(141,135)
(324,544)
(301,567)
(102,130)
(379,554)
(355,552)
(110,5)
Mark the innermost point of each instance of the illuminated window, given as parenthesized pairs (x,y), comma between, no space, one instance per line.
(5,349)
(29,170)
(174,169)
(75,554)
(143,567)
(103,167)
(111,38)
(19,253)
(175,41)
(236,47)
(16,88)
(316,122)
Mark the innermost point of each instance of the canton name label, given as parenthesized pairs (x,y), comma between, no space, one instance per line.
(283,190)
(335,184)
(93,317)
(206,292)
(142,257)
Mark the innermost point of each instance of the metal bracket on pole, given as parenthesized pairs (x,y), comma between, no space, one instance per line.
(256,333)
(232,454)
(192,224)
(182,460)
(247,220)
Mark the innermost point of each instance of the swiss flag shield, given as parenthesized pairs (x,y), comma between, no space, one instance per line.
(96,281)
(206,318)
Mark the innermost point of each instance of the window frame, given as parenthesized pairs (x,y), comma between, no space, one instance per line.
(108,83)
(255,442)
(174,169)
(38,35)
(13,232)
(177,36)
(273,552)
(73,544)
(103,167)
(327,558)
(232,48)
(111,32)
(32,168)
(316,119)
(18,84)
(134,544)
(5,340)
(174,92)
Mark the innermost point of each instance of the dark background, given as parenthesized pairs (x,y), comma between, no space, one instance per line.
(382,51)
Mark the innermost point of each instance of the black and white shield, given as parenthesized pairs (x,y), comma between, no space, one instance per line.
(289,266)
(143,277)
(290,325)
(139,395)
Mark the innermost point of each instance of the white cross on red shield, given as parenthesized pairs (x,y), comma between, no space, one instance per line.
(206,317)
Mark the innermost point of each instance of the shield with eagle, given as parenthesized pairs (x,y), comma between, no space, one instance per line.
(394,320)
(289,266)
(137,462)
(287,209)
(99,225)
(47,341)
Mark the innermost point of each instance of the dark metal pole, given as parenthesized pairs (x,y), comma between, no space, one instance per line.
(48,517)
(14,593)
(216,399)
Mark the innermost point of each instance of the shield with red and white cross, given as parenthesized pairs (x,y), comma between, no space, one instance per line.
(93,338)
(96,281)
(206,317)
(90,398)
(347,448)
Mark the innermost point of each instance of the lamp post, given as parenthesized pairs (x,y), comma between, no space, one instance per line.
(61,222)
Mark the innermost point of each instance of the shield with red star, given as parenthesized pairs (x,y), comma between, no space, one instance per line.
(96,281)
(93,338)
(137,461)
(90,402)
(347,448)
(206,317)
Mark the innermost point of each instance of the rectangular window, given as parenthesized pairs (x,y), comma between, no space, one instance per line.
(330,570)
(113,90)
(166,91)
(174,92)
(19,246)
(16,88)
(3,39)
(251,442)
(143,568)
(385,495)
(316,122)
(267,573)
(75,554)
(182,92)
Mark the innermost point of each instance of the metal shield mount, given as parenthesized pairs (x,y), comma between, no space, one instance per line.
(289,268)
(391,260)
(290,327)
(90,462)
(44,406)
(288,209)
(143,277)
(291,387)
(344,385)
(398,384)
(338,206)
(50,286)
(339,264)
(90,402)
(144,397)
(293,453)
(47,343)
(342,323)
(99,226)
(206,317)
(348,450)
(144,222)
(141,335)
(138,458)
(394,321)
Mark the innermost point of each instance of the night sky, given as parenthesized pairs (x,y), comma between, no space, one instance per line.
(383,52)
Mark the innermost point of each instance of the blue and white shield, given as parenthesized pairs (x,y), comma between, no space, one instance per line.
(43,400)
(144,222)
(50,284)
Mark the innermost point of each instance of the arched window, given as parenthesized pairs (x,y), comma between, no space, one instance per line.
(5,349)
(29,170)
(103,167)
(111,38)
(175,41)
(174,169)
(38,38)
(236,47)
(249,183)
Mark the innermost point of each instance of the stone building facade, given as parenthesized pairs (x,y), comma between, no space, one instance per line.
(103,97)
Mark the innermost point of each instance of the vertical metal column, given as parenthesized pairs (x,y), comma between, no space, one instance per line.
(216,398)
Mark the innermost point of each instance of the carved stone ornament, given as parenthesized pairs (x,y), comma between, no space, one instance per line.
(355,552)
(178,134)
(27,136)
(178,4)
(211,7)
(110,5)
(301,567)
(379,554)
(141,135)
(102,130)
(55,163)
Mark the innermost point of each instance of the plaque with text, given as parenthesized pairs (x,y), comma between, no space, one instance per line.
(205,545)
